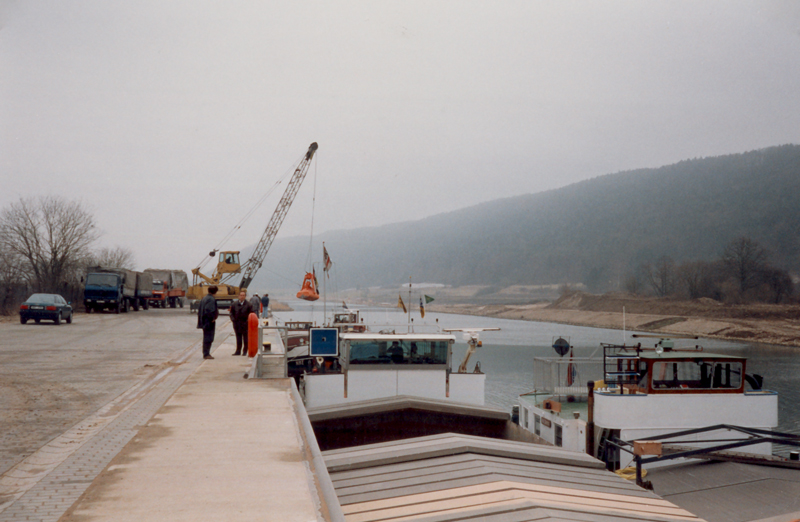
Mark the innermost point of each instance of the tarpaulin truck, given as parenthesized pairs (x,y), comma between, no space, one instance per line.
(109,289)
(169,287)
(144,290)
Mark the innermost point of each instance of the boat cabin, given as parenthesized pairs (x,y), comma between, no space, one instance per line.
(378,365)
(349,321)
(639,394)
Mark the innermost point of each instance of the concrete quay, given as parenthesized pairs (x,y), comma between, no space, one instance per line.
(195,441)
(221,448)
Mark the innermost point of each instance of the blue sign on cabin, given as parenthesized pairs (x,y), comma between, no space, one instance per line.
(324,342)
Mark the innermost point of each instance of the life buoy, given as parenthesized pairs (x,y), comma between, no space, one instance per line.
(309,289)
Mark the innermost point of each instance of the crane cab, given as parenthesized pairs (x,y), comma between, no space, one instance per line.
(228,263)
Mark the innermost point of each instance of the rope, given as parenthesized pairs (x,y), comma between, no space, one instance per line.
(313,207)
(250,212)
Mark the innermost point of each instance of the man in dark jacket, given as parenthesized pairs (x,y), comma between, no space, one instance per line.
(255,302)
(207,314)
(265,304)
(240,311)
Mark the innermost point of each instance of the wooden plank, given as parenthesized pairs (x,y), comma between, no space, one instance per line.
(646,447)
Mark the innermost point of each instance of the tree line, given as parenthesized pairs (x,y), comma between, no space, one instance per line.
(742,273)
(46,244)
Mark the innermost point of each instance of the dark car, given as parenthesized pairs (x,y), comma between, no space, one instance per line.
(52,307)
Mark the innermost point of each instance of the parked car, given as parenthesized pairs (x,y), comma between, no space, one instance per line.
(52,307)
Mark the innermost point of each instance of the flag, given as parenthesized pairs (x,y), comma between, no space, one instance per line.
(326,260)
(421,307)
(572,372)
(428,299)
(401,304)
(344,305)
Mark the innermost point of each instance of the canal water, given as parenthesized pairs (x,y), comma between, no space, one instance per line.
(507,355)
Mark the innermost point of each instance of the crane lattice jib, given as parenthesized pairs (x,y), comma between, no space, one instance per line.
(255,261)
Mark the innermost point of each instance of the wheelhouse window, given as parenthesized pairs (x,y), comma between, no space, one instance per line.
(372,351)
(537,424)
(558,435)
(697,374)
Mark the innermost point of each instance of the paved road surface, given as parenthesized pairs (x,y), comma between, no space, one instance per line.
(52,377)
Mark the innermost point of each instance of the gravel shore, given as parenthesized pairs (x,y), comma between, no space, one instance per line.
(769,324)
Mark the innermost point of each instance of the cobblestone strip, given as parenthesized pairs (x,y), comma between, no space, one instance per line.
(44,485)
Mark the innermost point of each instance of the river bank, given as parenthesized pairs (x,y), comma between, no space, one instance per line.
(769,324)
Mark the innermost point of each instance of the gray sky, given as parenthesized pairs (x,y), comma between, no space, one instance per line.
(170,119)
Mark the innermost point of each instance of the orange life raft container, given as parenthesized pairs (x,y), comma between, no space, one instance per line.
(309,289)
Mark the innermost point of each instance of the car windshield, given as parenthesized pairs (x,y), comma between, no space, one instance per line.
(102,280)
(42,298)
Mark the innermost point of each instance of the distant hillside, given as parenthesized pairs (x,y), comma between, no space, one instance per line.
(592,232)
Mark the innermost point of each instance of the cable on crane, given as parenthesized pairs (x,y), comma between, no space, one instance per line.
(313,207)
(250,212)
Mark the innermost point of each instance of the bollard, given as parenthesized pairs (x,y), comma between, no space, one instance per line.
(252,335)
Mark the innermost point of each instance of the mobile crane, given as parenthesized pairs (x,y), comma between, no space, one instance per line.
(228,265)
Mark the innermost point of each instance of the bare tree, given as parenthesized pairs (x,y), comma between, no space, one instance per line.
(779,283)
(660,275)
(118,257)
(691,276)
(745,260)
(13,283)
(50,235)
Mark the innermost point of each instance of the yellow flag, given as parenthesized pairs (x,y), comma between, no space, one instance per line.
(401,304)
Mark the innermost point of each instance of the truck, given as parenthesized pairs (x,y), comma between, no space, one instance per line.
(169,287)
(109,289)
(144,290)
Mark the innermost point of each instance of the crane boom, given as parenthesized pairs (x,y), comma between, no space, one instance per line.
(254,263)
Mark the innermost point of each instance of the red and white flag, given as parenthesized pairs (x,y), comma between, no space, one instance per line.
(326,260)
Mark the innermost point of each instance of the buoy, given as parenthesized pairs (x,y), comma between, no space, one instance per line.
(252,335)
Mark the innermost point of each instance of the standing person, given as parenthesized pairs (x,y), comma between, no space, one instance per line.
(265,304)
(207,314)
(255,302)
(240,311)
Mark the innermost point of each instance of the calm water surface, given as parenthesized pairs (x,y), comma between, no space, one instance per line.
(507,356)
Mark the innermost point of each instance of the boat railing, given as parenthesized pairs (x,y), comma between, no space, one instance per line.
(392,329)
(566,376)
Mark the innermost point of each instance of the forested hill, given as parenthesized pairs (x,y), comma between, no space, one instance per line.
(593,232)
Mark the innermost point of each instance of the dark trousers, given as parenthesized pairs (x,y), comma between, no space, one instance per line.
(208,338)
(241,336)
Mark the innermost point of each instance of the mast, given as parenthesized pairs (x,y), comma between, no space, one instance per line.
(408,322)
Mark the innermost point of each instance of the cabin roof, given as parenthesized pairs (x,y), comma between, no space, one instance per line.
(730,491)
(672,355)
(452,477)
(400,403)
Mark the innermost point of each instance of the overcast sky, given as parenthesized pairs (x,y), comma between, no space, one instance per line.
(170,119)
